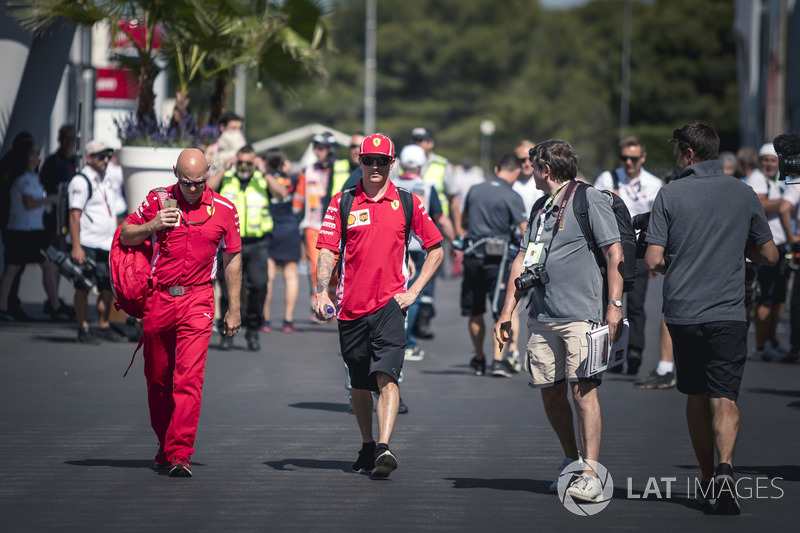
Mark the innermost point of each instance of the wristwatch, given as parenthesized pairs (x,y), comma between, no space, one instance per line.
(615,303)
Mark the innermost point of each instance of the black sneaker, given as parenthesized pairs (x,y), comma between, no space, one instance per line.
(704,494)
(87,336)
(653,381)
(634,362)
(63,313)
(402,408)
(499,370)
(478,366)
(724,486)
(180,468)
(615,370)
(108,334)
(252,340)
(385,462)
(366,459)
(226,343)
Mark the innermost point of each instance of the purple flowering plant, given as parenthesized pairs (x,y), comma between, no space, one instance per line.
(135,130)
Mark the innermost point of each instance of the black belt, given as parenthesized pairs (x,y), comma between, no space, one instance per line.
(180,290)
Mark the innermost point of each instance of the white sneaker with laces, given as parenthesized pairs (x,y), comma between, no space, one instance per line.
(565,463)
(586,488)
(414,354)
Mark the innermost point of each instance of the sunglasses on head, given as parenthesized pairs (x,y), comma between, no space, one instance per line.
(370,160)
(199,184)
(633,159)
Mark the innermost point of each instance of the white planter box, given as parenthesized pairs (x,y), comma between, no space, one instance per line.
(144,169)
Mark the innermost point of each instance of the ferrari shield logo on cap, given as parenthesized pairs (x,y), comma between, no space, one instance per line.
(395,204)
(376,142)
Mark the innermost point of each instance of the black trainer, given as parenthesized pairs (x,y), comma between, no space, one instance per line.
(478,366)
(226,343)
(634,362)
(402,408)
(366,459)
(108,334)
(252,340)
(725,491)
(385,462)
(87,336)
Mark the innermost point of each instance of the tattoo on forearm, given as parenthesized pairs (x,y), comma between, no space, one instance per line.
(324,270)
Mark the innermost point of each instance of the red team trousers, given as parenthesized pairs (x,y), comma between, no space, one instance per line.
(177,330)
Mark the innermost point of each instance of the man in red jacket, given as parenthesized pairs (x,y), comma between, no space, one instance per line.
(193,225)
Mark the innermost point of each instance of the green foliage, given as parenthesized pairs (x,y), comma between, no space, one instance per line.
(448,64)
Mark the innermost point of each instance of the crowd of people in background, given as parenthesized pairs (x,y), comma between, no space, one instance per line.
(291,215)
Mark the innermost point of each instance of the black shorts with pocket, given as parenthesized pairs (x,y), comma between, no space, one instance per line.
(101,275)
(710,357)
(478,285)
(374,343)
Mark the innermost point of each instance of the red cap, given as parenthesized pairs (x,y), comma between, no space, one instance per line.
(377,144)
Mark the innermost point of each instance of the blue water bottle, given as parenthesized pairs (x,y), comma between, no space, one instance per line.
(329,313)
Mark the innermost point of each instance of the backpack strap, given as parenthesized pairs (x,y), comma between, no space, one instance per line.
(581,209)
(407,201)
(615,179)
(345,204)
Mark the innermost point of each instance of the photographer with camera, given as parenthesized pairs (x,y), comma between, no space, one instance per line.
(704,294)
(92,223)
(567,302)
(787,148)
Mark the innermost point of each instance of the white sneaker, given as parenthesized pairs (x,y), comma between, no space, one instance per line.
(586,488)
(414,354)
(565,463)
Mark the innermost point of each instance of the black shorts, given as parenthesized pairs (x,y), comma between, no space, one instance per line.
(101,275)
(480,279)
(710,357)
(284,244)
(22,247)
(374,343)
(772,283)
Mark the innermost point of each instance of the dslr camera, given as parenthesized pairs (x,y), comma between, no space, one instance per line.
(535,276)
(82,276)
(787,146)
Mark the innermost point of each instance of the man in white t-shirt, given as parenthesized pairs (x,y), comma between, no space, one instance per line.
(525,186)
(770,191)
(638,189)
(92,223)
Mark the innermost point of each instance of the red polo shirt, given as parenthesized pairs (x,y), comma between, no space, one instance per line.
(374,268)
(188,254)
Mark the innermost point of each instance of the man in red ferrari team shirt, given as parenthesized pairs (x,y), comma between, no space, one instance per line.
(372,294)
(179,313)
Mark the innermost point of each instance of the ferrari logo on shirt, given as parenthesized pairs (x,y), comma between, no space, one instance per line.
(358,218)
(395,204)
(210,210)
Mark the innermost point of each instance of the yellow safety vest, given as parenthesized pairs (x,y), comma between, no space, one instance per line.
(341,171)
(434,174)
(252,203)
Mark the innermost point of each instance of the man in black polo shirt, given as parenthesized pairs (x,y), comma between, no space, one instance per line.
(493,211)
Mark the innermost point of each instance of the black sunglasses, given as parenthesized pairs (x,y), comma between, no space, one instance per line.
(370,160)
(199,184)
(523,160)
(634,159)
(245,164)
(102,156)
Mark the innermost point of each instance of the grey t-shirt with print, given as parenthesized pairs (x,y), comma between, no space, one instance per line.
(575,290)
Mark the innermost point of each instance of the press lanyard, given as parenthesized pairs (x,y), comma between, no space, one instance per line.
(105,199)
(547,204)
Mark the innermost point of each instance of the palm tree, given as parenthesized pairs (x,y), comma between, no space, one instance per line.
(202,40)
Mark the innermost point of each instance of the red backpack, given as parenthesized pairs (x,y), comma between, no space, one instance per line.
(131,269)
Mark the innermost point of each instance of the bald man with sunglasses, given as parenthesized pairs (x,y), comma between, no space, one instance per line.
(191,226)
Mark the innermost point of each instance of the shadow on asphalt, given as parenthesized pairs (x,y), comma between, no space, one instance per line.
(527,485)
(786,472)
(322,406)
(344,466)
(120,463)
(776,392)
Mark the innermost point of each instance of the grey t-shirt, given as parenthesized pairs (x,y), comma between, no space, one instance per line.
(493,210)
(575,290)
(704,221)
